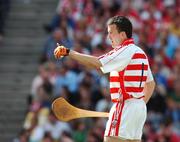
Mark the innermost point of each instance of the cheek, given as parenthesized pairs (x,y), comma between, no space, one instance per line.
(117,38)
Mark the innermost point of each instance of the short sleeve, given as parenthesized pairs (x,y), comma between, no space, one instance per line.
(149,75)
(116,59)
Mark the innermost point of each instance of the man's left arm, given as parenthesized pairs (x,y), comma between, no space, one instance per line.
(148,90)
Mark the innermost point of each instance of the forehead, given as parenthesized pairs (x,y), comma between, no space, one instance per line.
(112,28)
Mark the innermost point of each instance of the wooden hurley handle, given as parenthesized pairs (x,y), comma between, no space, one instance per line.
(66,112)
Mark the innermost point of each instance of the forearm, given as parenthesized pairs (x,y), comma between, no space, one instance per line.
(86,60)
(148,90)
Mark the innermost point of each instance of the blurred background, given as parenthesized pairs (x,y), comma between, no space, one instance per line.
(30,77)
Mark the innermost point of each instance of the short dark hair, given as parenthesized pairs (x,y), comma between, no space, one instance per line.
(122,23)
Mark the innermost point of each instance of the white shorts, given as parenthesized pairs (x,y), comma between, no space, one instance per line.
(131,118)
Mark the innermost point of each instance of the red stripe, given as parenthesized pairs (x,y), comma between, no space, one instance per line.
(114,90)
(134,89)
(136,67)
(135,78)
(124,93)
(114,79)
(114,100)
(139,56)
(116,55)
(102,56)
(119,120)
(110,126)
(127,42)
(111,122)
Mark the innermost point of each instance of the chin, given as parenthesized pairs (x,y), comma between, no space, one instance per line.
(114,46)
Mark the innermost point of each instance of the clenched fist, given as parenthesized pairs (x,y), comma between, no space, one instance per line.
(61,51)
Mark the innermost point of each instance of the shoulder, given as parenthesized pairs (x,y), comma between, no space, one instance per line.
(130,49)
(127,48)
(138,49)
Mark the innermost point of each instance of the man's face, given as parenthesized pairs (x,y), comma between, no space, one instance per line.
(115,37)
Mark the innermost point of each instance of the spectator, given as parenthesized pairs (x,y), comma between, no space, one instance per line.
(105,103)
(36,131)
(58,36)
(47,138)
(67,78)
(22,137)
(39,79)
(79,134)
(66,137)
(174,102)
(55,128)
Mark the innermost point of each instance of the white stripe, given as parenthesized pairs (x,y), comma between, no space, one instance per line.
(138,61)
(137,95)
(114,73)
(115,95)
(139,52)
(114,84)
(135,72)
(133,83)
(111,112)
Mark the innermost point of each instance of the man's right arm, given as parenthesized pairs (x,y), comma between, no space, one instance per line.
(86,60)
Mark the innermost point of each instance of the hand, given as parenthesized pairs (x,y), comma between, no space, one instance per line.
(61,51)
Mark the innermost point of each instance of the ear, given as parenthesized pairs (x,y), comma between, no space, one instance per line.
(124,35)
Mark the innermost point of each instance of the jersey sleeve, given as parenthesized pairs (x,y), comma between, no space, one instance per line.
(116,59)
(149,75)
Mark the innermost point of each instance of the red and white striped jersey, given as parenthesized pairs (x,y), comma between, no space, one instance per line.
(129,70)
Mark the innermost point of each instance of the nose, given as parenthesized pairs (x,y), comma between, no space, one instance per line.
(109,37)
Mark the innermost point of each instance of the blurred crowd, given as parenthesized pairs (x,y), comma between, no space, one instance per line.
(81,25)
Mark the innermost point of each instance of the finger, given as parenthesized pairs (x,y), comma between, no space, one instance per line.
(59,54)
(56,51)
(56,56)
(58,44)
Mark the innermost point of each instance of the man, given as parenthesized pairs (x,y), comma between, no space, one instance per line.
(131,81)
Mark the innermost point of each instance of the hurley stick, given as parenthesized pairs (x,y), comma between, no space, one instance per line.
(66,112)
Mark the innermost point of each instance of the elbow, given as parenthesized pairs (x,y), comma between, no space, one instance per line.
(153,85)
(97,64)
(93,66)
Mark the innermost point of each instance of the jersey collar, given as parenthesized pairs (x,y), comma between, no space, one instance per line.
(127,42)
